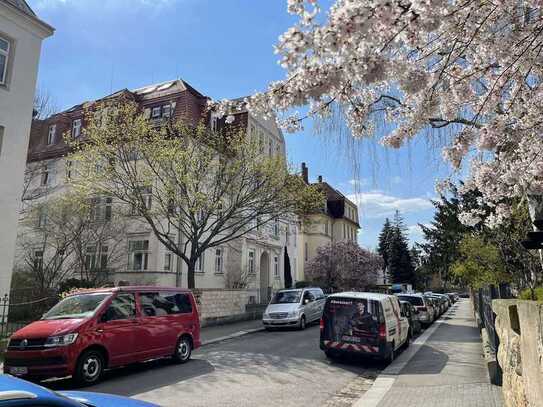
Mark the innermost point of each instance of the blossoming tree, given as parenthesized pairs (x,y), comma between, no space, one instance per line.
(474,66)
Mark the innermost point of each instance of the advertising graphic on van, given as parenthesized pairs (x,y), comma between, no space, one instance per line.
(352,321)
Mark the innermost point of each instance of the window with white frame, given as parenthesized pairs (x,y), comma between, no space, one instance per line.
(51,135)
(47,174)
(38,259)
(167,111)
(219,260)
(276,266)
(251,261)
(96,257)
(101,208)
(138,255)
(76,128)
(42,217)
(200,263)
(146,194)
(276,227)
(5,46)
(167,261)
(287,234)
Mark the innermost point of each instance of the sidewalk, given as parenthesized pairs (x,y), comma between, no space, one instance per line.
(212,334)
(444,367)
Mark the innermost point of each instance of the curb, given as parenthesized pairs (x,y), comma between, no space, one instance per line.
(232,336)
(386,379)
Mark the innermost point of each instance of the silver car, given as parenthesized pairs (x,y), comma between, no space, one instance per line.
(294,307)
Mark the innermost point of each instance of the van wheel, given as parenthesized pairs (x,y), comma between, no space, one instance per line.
(390,357)
(329,354)
(89,368)
(302,323)
(183,350)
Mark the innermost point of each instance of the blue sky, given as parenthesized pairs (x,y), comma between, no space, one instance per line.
(225,49)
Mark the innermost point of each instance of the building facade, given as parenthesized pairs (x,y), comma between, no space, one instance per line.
(260,257)
(21,36)
(337,221)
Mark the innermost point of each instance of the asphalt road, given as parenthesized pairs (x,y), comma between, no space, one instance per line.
(281,368)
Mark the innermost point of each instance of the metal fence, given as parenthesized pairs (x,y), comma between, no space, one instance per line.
(482,302)
(21,307)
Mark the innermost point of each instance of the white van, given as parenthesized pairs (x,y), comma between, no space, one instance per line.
(366,323)
(294,307)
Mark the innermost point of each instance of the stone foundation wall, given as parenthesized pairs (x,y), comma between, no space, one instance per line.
(519,325)
(217,306)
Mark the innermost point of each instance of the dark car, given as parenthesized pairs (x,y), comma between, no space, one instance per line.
(411,313)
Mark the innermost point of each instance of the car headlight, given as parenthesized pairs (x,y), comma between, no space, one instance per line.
(266,315)
(293,314)
(61,340)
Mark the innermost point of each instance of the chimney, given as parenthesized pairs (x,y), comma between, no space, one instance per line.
(320,178)
(305,173)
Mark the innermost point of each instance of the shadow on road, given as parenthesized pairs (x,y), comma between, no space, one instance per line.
(142,377)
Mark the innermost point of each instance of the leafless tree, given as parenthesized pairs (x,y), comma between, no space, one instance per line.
(343,266)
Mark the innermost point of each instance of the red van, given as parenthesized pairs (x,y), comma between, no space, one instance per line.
(94,330)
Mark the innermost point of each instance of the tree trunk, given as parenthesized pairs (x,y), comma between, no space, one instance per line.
(190,274)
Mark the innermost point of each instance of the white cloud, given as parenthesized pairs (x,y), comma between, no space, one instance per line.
(415,233)
(359,182)
(376,204)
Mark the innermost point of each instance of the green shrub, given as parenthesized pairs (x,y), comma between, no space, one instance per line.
(527,294)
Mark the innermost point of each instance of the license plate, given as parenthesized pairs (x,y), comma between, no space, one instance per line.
(347,338)
(18,370)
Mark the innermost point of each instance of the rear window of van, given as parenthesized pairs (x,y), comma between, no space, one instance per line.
(416,301)
(351,320)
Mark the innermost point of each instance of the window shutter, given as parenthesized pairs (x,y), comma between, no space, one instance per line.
(147,113)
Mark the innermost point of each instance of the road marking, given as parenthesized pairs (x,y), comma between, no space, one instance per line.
(386,379)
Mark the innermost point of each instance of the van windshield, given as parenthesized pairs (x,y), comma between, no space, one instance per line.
(286,297)
(76,306)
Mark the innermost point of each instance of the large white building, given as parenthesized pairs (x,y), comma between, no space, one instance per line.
(261,255)
(21,36)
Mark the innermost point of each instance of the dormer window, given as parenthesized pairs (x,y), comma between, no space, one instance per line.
(155,112)
(76,128)
(51,135)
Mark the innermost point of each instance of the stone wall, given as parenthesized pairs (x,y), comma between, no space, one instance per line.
(519,325)
(217,306)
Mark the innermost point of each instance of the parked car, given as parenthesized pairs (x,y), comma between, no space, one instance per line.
(17,392)
(442,301)
(412,315)
(294,307)
(453,297)
(369,324)
(94,330)
(423,305)
(436,309)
